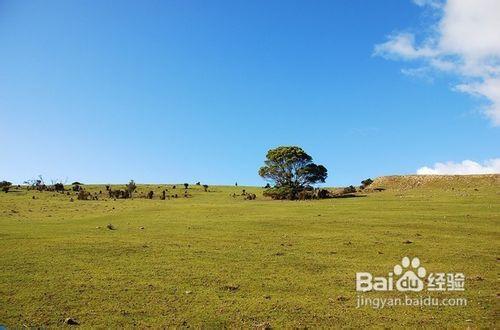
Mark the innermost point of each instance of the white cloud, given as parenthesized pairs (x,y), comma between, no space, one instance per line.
(489,88)
(464,41)
(491,166)
(433,3)
(402,46)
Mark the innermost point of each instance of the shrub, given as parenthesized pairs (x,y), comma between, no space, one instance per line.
(58,187)
(131,187)
(281,193)
(366,183)
(83,195)
(119,194)
(5,186)
(250,196)
(349,190)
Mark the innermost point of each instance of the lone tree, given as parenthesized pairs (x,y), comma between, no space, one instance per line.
(291,170)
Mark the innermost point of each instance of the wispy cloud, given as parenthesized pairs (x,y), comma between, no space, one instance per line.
(491,166)
(433,3)
(464,42)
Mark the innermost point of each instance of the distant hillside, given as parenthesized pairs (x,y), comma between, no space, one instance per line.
(403,182)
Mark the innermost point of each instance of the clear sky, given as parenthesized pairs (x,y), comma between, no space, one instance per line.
(186,91)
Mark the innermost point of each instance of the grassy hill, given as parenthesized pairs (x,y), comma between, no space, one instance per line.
(214,260)
(404,182)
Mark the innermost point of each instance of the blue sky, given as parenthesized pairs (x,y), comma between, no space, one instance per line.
(185,91)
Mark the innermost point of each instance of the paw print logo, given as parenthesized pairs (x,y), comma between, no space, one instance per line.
(411,279)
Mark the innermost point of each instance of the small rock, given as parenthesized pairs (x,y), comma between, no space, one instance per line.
(110,227)
(232,287)
(188,292)
(263,326)
(141,227)
(70,321)
(407,242)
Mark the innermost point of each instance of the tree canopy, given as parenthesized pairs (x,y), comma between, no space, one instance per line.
(292,168)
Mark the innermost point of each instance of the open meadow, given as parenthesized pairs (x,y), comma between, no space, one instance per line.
(214,260)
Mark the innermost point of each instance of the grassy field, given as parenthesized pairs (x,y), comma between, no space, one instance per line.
(217,261)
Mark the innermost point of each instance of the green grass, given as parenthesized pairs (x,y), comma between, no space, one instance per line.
(291,261)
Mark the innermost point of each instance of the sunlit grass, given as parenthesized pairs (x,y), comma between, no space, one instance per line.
(215,260)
